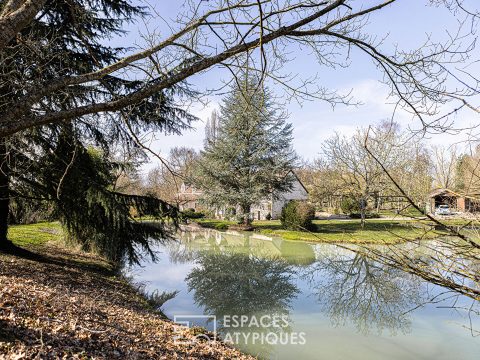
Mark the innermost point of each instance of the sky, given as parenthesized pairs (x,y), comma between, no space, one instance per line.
(405,24)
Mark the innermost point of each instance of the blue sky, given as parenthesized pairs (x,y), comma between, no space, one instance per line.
(406,24)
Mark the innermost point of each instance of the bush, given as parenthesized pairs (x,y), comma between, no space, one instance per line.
(192,214)
(297,215)
(240,219)
(221,226)
(350,206)
(370,215)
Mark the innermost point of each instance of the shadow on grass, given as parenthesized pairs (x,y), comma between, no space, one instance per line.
(59,258)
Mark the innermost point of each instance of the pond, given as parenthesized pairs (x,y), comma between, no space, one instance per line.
(278,299)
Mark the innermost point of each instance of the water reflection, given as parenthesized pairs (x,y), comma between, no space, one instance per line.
(235,285)
(369,304)
(242,274)
(194,242)
(373,297)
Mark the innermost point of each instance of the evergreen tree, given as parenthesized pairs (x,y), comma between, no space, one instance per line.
(73,34)
(252,154)
(79,182)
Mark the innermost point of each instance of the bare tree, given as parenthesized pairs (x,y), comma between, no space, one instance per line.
(445,161)
(324,183)
(165,180)
(362,176)
(450,261)
(415,174)
(211,128)
(468,171)
(222,33)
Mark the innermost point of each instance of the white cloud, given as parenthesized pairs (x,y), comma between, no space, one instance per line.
(315,121)
(190,138)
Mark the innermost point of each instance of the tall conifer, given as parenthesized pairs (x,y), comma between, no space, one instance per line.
(252,154)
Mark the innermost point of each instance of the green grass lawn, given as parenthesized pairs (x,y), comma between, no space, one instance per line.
(35,234)
(335,231)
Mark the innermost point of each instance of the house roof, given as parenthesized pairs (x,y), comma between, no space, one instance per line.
(443,192)
(448,192)
(299,181)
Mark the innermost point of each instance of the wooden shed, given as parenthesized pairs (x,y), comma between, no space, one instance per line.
(456,201)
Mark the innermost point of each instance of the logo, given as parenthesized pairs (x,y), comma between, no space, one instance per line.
(237,330)
(186,325)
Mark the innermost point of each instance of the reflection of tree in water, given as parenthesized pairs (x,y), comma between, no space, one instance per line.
(238,284)
(370,295)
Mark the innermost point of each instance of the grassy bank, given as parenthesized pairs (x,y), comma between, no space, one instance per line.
(56,302)
(336,231)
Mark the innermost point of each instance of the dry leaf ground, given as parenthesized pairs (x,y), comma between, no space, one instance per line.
(57,303)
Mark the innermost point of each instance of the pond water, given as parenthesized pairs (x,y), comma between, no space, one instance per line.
(278,299)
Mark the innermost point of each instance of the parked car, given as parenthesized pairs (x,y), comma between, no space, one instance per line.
(443,210)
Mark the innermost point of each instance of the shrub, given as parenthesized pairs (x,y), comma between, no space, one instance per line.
(192,214)
(240,219)
(297,215)
(221,226)
(350,206)
(370,215)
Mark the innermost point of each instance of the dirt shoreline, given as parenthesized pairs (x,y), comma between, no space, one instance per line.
(59,303)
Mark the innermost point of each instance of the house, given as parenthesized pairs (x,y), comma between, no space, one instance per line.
(190,197)
(274,204)
(456,201)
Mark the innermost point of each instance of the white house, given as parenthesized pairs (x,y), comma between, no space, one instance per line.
(272,206)
(275,203)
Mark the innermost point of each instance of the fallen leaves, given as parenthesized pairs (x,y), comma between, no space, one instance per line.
(60,306)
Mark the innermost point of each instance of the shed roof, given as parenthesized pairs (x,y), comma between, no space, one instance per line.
(443,192)
(448,192)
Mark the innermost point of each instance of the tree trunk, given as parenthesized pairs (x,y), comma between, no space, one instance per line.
(246,214)
(363,208)
(4,193)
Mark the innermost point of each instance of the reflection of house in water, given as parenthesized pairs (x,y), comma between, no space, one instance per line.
(456,201)
(293,252)
(190,198)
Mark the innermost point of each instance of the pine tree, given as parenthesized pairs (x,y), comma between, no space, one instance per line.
(74,34)
(79,181)
(252,155)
